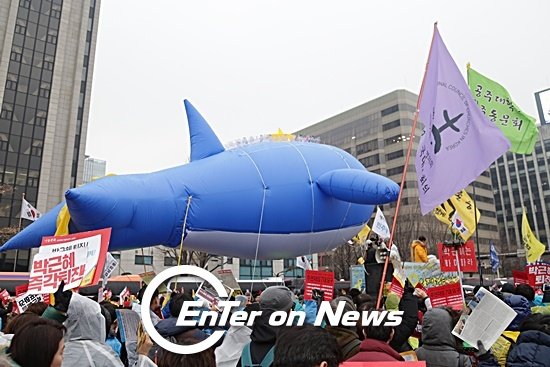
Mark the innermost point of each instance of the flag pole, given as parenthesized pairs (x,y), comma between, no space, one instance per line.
(20,217)
(182,236)
(479,267)
(404,175)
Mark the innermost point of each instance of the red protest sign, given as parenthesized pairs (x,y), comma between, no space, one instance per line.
(322,280)
(446,295)
(396,287)
(466,256)
(538,274)
(520,277)
(21,289)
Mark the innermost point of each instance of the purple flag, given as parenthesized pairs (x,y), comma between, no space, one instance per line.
(458,143)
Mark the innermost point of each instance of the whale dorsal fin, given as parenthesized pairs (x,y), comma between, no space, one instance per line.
(358,186)
(204,141)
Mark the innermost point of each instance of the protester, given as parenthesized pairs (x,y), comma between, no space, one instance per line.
(403,331)
(203,359)
(85,337)
(507,290)
(439,346)
(264,336)
(111,328)
(419,252)
(18,321)
(37,308)
(375,347)
(229,353)
(533,344)
(346,336)
(39,343)
(526,291)
(167,328)
(306,346)
(154,306)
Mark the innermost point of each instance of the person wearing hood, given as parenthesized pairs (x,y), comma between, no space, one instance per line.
(346,336)
(229,353)
(439,346)
(263,337)
(419,252)
(509,337)
(533,344)
(85,336)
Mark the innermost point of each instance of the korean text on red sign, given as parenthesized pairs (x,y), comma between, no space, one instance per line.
(538,274)
(321,280)
(466,256)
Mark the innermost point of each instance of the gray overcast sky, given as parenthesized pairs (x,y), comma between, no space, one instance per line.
(251,67)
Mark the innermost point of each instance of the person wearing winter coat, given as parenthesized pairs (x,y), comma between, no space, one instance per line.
(229,353)
(509,337)
(439,346)
(347,338)
(532,347)
(409,305)
(375,347)
(264,336)
(419,252)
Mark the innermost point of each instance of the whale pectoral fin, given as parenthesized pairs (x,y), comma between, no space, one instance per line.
(204,141)
(358,186)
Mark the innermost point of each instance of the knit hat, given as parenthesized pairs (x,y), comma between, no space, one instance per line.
(349,306)
(276,298)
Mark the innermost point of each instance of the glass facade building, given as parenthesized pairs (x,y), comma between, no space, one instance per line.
(47,49)
(523,181)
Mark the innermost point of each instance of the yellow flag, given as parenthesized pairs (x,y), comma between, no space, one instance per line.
(62,223)
(533,248)
(363,235)
(458,212)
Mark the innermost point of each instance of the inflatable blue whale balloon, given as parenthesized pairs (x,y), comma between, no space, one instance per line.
(269,200)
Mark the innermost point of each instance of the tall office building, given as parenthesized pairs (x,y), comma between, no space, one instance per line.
(93,168)
(523,181)
(377,133)
(47,50)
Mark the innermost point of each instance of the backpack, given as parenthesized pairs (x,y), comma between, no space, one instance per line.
(246,358)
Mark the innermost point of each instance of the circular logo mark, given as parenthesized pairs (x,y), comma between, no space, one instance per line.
(146,315)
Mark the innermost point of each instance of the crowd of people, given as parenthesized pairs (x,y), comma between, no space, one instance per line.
(78,331)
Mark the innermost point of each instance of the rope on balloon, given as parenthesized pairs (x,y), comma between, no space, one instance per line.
(261,218)
(183,235)
(311,183)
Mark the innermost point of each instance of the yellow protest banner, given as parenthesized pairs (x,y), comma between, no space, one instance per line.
(458,213)
(533,248)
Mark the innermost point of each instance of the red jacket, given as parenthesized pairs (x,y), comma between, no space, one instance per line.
(372,350)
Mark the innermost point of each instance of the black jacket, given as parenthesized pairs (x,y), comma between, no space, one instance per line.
(263,337)
(409,306)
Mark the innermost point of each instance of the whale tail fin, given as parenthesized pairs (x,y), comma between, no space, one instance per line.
(358,186)
(204,141)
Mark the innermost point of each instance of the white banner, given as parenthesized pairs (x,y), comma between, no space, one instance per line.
(380,226)
(110,265)
(27,299)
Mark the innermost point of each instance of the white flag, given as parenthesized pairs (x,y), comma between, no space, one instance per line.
(303,262)
(28,211)
(380,226)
